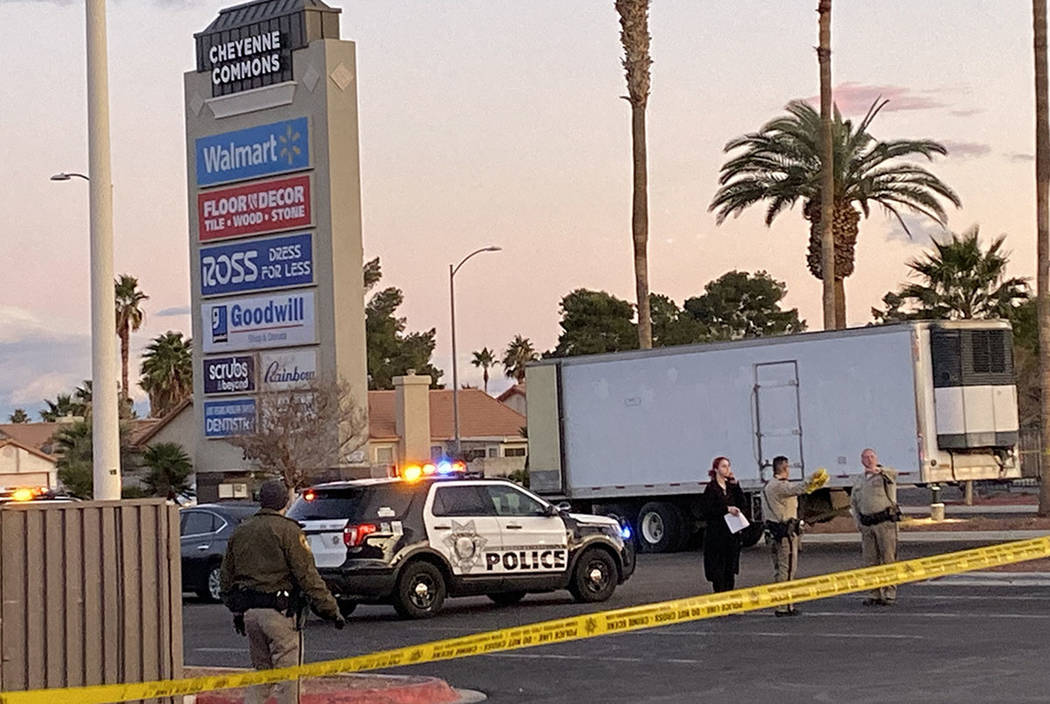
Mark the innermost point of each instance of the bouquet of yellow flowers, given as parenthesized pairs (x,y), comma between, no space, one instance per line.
(817,480)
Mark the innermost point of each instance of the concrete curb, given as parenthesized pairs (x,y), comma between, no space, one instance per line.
(350,689)
(930,536)
(975,510)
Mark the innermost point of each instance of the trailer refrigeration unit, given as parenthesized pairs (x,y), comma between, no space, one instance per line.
(634,433)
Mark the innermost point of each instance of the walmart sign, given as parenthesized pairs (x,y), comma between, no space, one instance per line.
(257,151)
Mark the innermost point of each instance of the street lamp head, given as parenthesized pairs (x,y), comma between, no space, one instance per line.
(64,176)
(493,248)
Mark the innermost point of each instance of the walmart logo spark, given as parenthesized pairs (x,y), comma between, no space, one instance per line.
(289,144)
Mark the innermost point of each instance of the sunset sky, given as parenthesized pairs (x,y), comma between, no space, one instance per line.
(499,122)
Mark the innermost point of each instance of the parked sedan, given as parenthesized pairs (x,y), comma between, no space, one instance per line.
(205,530)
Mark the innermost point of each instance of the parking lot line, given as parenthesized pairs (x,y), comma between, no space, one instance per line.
(886,613)
(786,634)
(556,656)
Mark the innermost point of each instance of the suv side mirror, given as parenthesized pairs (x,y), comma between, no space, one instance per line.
(564,506)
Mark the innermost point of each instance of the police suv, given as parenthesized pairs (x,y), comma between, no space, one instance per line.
(414,541)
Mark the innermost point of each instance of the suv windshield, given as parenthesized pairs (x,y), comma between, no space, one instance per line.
(328,504)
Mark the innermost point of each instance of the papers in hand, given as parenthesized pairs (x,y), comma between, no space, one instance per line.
(736,523)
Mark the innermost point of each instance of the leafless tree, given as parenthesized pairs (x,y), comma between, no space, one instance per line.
(304,429)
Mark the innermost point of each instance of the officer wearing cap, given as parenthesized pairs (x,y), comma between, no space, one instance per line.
(268,576)
(780,511)
(873,503)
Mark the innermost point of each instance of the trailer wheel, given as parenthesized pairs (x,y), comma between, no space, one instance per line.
(659,527)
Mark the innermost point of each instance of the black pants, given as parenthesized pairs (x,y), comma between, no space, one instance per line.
(724,582)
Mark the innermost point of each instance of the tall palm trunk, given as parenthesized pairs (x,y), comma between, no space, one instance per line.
(845,226)
(1042,216)
(125,336)
(485,376)
(640,228)
(827,177)
(634,34)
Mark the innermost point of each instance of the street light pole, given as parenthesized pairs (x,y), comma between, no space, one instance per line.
(105,436)
(455,367)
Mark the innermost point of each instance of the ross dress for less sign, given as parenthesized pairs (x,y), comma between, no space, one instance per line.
(257,264)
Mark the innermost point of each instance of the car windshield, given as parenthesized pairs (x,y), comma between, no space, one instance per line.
(327,504)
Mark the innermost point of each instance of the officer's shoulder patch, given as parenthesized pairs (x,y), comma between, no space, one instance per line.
(302,541)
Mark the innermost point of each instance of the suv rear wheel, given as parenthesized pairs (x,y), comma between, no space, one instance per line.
(594,578)
(420,591)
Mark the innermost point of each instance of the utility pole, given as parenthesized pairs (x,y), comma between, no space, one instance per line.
(105,418)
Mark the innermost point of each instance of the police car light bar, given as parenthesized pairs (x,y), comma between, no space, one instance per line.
(444,468)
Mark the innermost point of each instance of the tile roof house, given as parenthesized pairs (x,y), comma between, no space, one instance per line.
(480,416)
(24,465)
(490,432)
(515,398)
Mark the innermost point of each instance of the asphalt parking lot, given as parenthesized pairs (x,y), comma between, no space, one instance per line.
(970,638)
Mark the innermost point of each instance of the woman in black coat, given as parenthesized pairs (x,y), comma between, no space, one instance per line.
(721,547)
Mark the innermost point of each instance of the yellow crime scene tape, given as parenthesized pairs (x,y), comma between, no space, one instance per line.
(567,629)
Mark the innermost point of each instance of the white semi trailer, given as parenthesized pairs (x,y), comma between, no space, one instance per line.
(634,433)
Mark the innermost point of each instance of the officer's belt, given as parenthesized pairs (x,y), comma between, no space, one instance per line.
(783,529)
(242,599)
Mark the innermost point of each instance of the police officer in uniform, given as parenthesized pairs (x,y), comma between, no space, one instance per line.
(780,512)
(268,578)
(875,510)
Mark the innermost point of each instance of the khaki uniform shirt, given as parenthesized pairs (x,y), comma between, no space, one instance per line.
(268,553)
(780,499)
(872,493)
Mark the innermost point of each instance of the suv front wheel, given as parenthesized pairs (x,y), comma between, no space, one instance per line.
(594,578)
(420,591)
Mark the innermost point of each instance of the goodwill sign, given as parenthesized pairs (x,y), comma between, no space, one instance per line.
(276,320)
(253,152)
(254,265)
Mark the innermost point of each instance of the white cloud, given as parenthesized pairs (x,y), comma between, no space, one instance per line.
(38,360)
(18,324)
(41,387)
(922,230)
(173,312)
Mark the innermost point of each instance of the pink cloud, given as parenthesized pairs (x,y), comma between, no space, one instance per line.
(966,149)
(855,98)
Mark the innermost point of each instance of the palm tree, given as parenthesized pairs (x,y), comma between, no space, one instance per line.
(62,406)
(1042,219)
(518,354)
(634,35)
(486,359)
(781,164)
(958,279)
(72,444)
(169,468)
(167,372)
(827,171)
(19,416)
(83,393)
(129,319)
